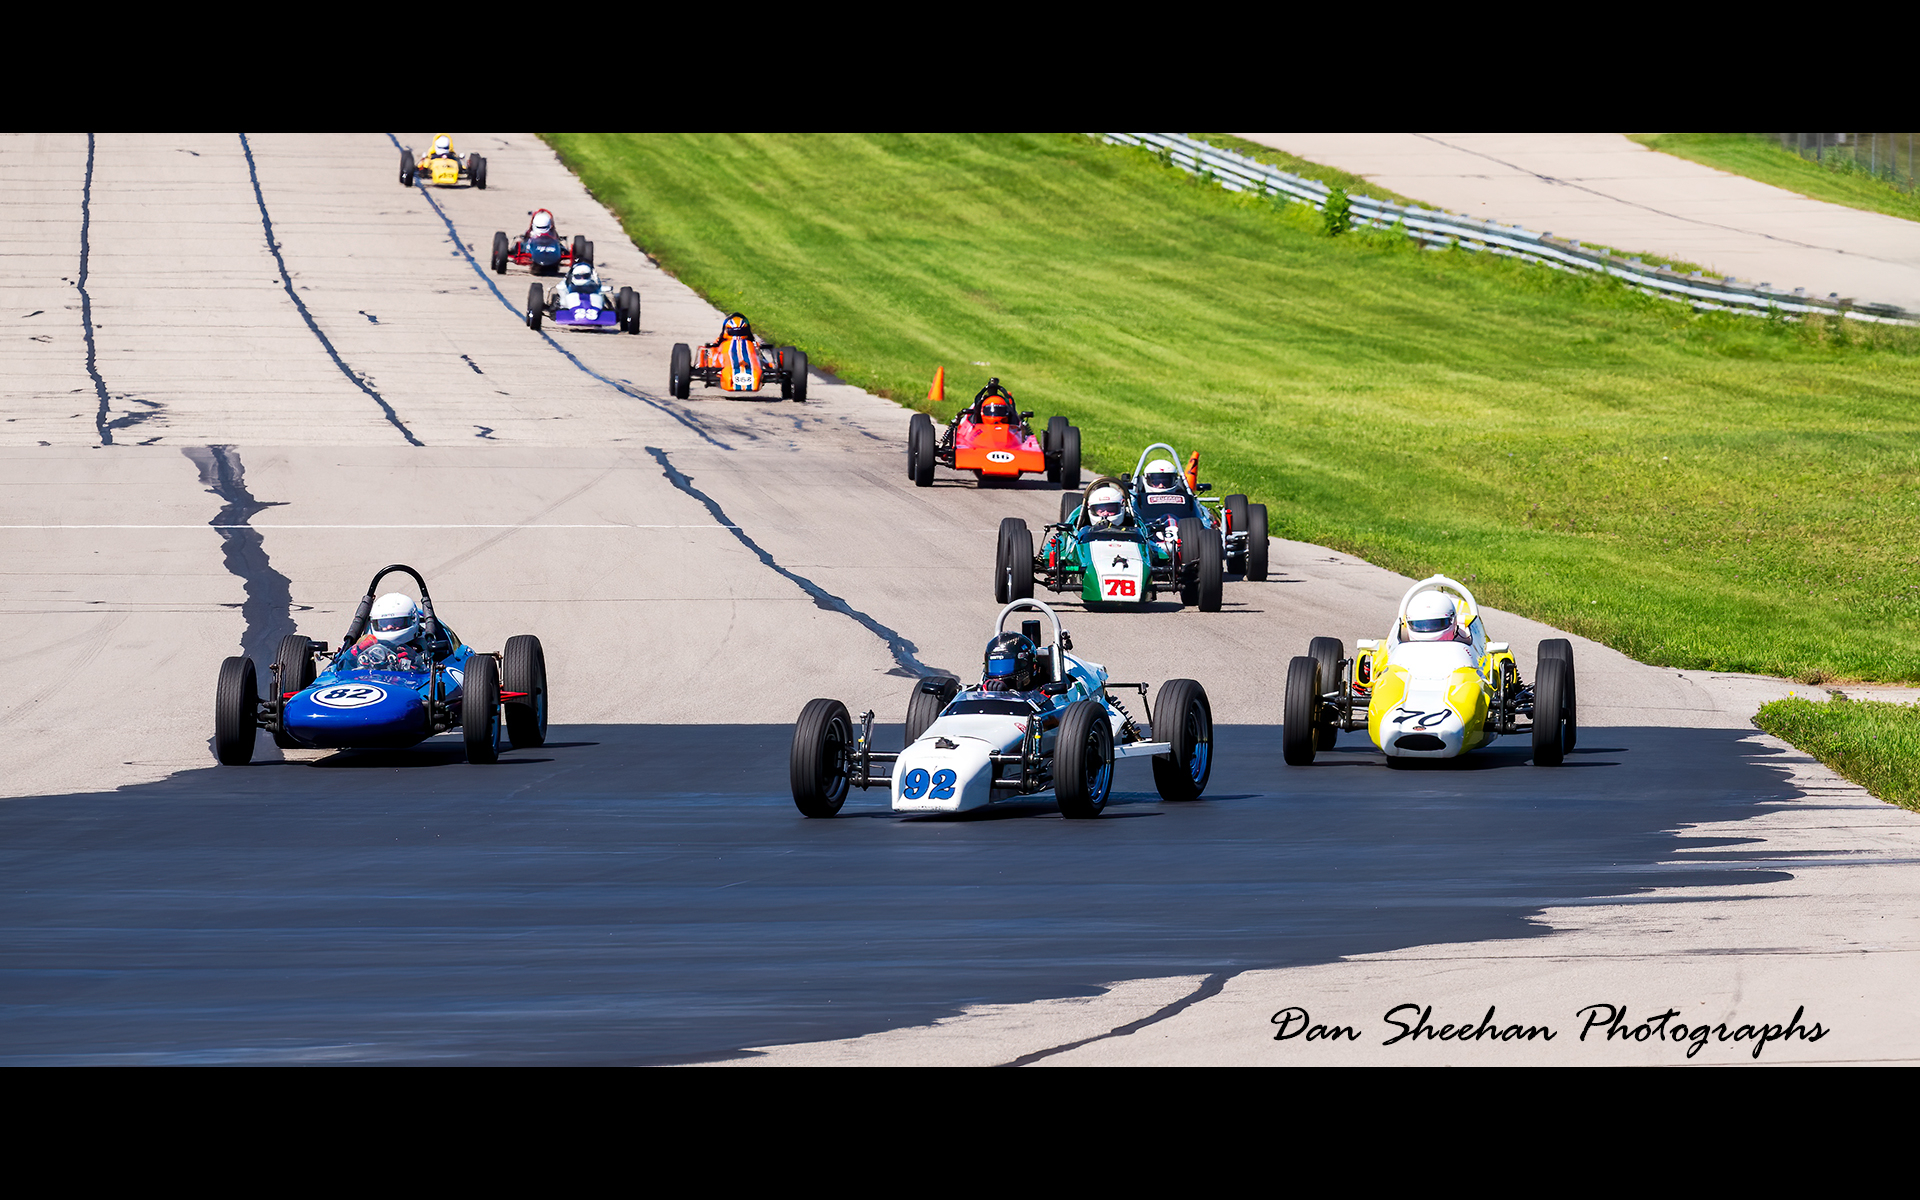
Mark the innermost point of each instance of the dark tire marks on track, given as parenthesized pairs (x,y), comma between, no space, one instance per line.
(100,423)
(286,281)
(268,607)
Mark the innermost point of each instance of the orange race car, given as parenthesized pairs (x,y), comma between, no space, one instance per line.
(736,361)
(991,438)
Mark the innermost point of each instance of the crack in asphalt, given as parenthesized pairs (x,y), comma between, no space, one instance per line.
(905,653)
(286,281)
(267,611)
(1209,987)
(626,390)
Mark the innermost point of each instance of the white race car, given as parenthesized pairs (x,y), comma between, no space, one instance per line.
(1054,725)
(1429,698)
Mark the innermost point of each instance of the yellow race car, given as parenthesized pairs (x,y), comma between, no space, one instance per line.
(442,167)
(1434,687)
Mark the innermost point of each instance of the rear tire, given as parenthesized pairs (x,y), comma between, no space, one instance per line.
(479,170)
(579,249)
(680,373)
(924,706)
(536,306)
(1549,711)
(1236,510)
(819,764)
(523,668)
(1083,760)
(1185,719)
(920,450)
(406,169)
(1051,444)
(1298,738)
(1327,653)
(295,660)
(627,304)
(1200,567)
(1256,566)
(1013,568)
(500,252)
(480,709)
(236,700)
(1069,502)
(589,259)
(1212,570)
(798,376)
(1070,458)
(1561,648)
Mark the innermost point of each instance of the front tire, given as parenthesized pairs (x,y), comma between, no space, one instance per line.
(406,169)
(1070,458)
(236,701)
(1550,686)
(1051,444)
(480,709)
(1562,649)
(1327,652)
(1256,566)
(523,668)
(1236,509)
(819,765)
(295,660)
(1298,738)
(536,306)
(1013,572)
(930,698)
(1184,718)
(626,302)
(920,450)
(680,372)
(500,252)
(797,376)
(1083,760)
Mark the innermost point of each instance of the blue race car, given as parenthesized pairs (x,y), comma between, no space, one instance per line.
(540,249)
(370,696)
(581,301)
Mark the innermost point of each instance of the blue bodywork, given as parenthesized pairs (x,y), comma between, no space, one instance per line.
(351,706)
(586,316)
(544,254)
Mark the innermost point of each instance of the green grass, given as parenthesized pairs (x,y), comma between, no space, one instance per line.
(1874,744)
(1841,179)
(1706,491)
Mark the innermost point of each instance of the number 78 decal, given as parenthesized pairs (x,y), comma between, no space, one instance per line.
(1122,587)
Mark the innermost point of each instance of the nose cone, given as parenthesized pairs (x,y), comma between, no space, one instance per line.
(1424,725)
(930,778)
(357,713)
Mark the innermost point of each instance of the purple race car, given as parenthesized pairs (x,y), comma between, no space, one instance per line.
(581,301)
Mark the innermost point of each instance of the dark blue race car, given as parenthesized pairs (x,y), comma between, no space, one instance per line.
(368,697)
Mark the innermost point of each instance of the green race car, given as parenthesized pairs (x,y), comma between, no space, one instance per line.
(1101,549)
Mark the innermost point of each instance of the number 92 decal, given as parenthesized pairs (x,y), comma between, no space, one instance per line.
(916,784)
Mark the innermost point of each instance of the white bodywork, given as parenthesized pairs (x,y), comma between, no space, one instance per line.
(1431,670)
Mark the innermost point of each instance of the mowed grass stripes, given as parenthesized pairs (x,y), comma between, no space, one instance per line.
(1698,490)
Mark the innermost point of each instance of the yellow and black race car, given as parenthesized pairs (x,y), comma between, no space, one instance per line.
(442,167)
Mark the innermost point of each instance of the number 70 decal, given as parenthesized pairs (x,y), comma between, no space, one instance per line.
(1421,720)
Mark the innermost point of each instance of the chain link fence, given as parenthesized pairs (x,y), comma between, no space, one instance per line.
(1883,156)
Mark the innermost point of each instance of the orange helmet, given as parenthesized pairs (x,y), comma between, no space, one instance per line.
(736,326)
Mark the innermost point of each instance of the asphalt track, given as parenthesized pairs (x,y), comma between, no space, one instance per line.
(278,370)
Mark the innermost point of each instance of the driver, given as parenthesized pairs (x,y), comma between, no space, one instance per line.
(442,147)
(992,405)
(1012,664)
(581,281)
(1106,507)
(392,642)
(735,326)
(1434,617)
(1161,476)
(542,225)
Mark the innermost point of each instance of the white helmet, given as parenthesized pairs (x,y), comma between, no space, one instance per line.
(395,618)
(582,275)
(442,144)
(542,223)
(1431,617)
(1106,506)
(1162,476)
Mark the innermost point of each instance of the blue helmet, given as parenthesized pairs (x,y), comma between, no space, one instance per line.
(1012,662)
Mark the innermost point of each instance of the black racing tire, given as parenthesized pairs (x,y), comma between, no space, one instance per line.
(523,668)
(1083,760)
(1213,571)
(1327,652)
(536,306)
(1069,503)
(501,250)
(1563,649)
(680,372)
(626,302)
(589,258)
(1201,570)
(819,765)
(1236,514)
(1550,685)
(1013,575)
(920,450)
(1184,718)
(930,697)
(236,701)
(1299,704)
(1070,458)
(578,251)
(1051,444)
(294,656)
(783,363)
(480,709)
(1256,565)
(797,373)
(478,168)
(406,168)
(1190,531)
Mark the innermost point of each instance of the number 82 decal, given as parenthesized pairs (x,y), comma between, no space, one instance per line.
(915,785)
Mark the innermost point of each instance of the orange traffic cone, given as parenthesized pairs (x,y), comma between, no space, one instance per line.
(1193,471)
(937,394)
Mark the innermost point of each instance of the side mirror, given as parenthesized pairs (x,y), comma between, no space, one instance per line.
(1496,647)
(1202,487)
(1066,640)
(1026,416)
(1126,479)
(1057,689)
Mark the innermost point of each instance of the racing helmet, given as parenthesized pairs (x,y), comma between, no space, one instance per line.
(1106,506)
(1431,617)
(395,619)
(443,145)
(1012,663)
(736,326)
(542,223)
(582,276)
(1161,476)
(996,410)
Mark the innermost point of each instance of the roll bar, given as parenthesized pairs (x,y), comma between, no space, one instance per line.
(1148,453)
(359,626)
(1433,583)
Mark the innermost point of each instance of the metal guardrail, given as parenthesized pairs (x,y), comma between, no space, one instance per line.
(1237,172)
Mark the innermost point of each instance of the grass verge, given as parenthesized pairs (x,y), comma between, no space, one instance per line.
(1875,744)
(1703,490)
(1838,180)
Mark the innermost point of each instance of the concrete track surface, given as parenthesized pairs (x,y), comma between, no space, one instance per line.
(243,374)
(1609,190)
